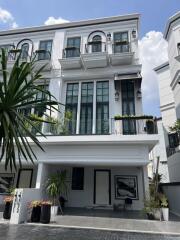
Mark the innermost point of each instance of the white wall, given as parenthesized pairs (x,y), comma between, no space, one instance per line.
(173,194)
(174,167)
(84,198)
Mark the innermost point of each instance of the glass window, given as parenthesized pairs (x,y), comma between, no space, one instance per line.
(72,104)
(24,51)
(73,47)
(102,107)
(96,44)
(128,106)
(86,116)
(121,43)
(78,178)
(47,46)
(178,47)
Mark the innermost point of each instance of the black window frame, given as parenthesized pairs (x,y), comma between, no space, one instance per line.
(86,106)
(71,49)
(120,45)
(128,106)
(103,128)
(72,106)
(96,44)
(77,182)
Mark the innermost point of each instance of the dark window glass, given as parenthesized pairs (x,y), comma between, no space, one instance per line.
(78,178)
(73,47)
(121,43)
(96,44)
(102,107)
(71,104)
(128,106)
(173,140)
(24,51)
(47,46)
(86,117)
(178,47)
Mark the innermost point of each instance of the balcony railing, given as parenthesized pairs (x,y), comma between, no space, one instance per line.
(122,126)
(95,47)
(174,143)
(121,47)
(133,126)
(70,52)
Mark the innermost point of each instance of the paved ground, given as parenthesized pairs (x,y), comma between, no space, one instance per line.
(28,232)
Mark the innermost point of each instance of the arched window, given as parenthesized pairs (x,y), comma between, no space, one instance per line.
(96,43)
(24,51)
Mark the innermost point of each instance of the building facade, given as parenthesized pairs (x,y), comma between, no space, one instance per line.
(92,68)
(169,89)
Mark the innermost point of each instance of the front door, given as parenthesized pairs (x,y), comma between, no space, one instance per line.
(102,195)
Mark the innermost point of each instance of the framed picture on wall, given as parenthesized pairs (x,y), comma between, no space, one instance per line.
(126,187)
(6,182)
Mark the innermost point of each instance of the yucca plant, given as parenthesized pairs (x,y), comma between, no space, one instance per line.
(18,88)
(56,185)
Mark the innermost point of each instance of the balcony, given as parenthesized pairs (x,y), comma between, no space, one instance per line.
(41,57)
(174,144)
(71,58)
(122,54)
(95,55)
(136,125)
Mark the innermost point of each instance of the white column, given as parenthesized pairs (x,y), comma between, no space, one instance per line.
(78,110)
(94,109)
(145,181)
(41,174)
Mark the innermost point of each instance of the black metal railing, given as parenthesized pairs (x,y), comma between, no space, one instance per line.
(70,52)
(95,47)
(133,126)
(121,47)
(174,142)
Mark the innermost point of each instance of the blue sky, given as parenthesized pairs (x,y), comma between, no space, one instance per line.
(154,15)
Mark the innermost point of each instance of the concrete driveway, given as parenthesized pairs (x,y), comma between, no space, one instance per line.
(45,232)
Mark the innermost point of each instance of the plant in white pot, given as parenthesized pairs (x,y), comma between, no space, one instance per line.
(164,207)
(55,187)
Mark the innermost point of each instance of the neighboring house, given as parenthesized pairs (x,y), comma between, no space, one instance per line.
(93,69)
(159,152)
(169,89)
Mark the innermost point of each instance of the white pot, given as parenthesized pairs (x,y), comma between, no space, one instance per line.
(118,127)
(165,213)
(157,214)
(54,210)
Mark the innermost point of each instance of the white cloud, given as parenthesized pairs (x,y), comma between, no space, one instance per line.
(14,25)
(153,52)
(53,20)
(7,18)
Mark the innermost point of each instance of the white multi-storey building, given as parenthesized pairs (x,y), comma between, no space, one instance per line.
(93,69)
(169,89)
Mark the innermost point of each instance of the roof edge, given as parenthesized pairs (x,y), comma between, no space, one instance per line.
(171,20)
(127,17)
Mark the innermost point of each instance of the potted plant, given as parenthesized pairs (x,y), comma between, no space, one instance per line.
(164,207)
(8,206)
(36,211)
(45,212)
(150,126)
(56,187)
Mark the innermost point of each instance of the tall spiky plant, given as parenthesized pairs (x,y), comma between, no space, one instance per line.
(18,88)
